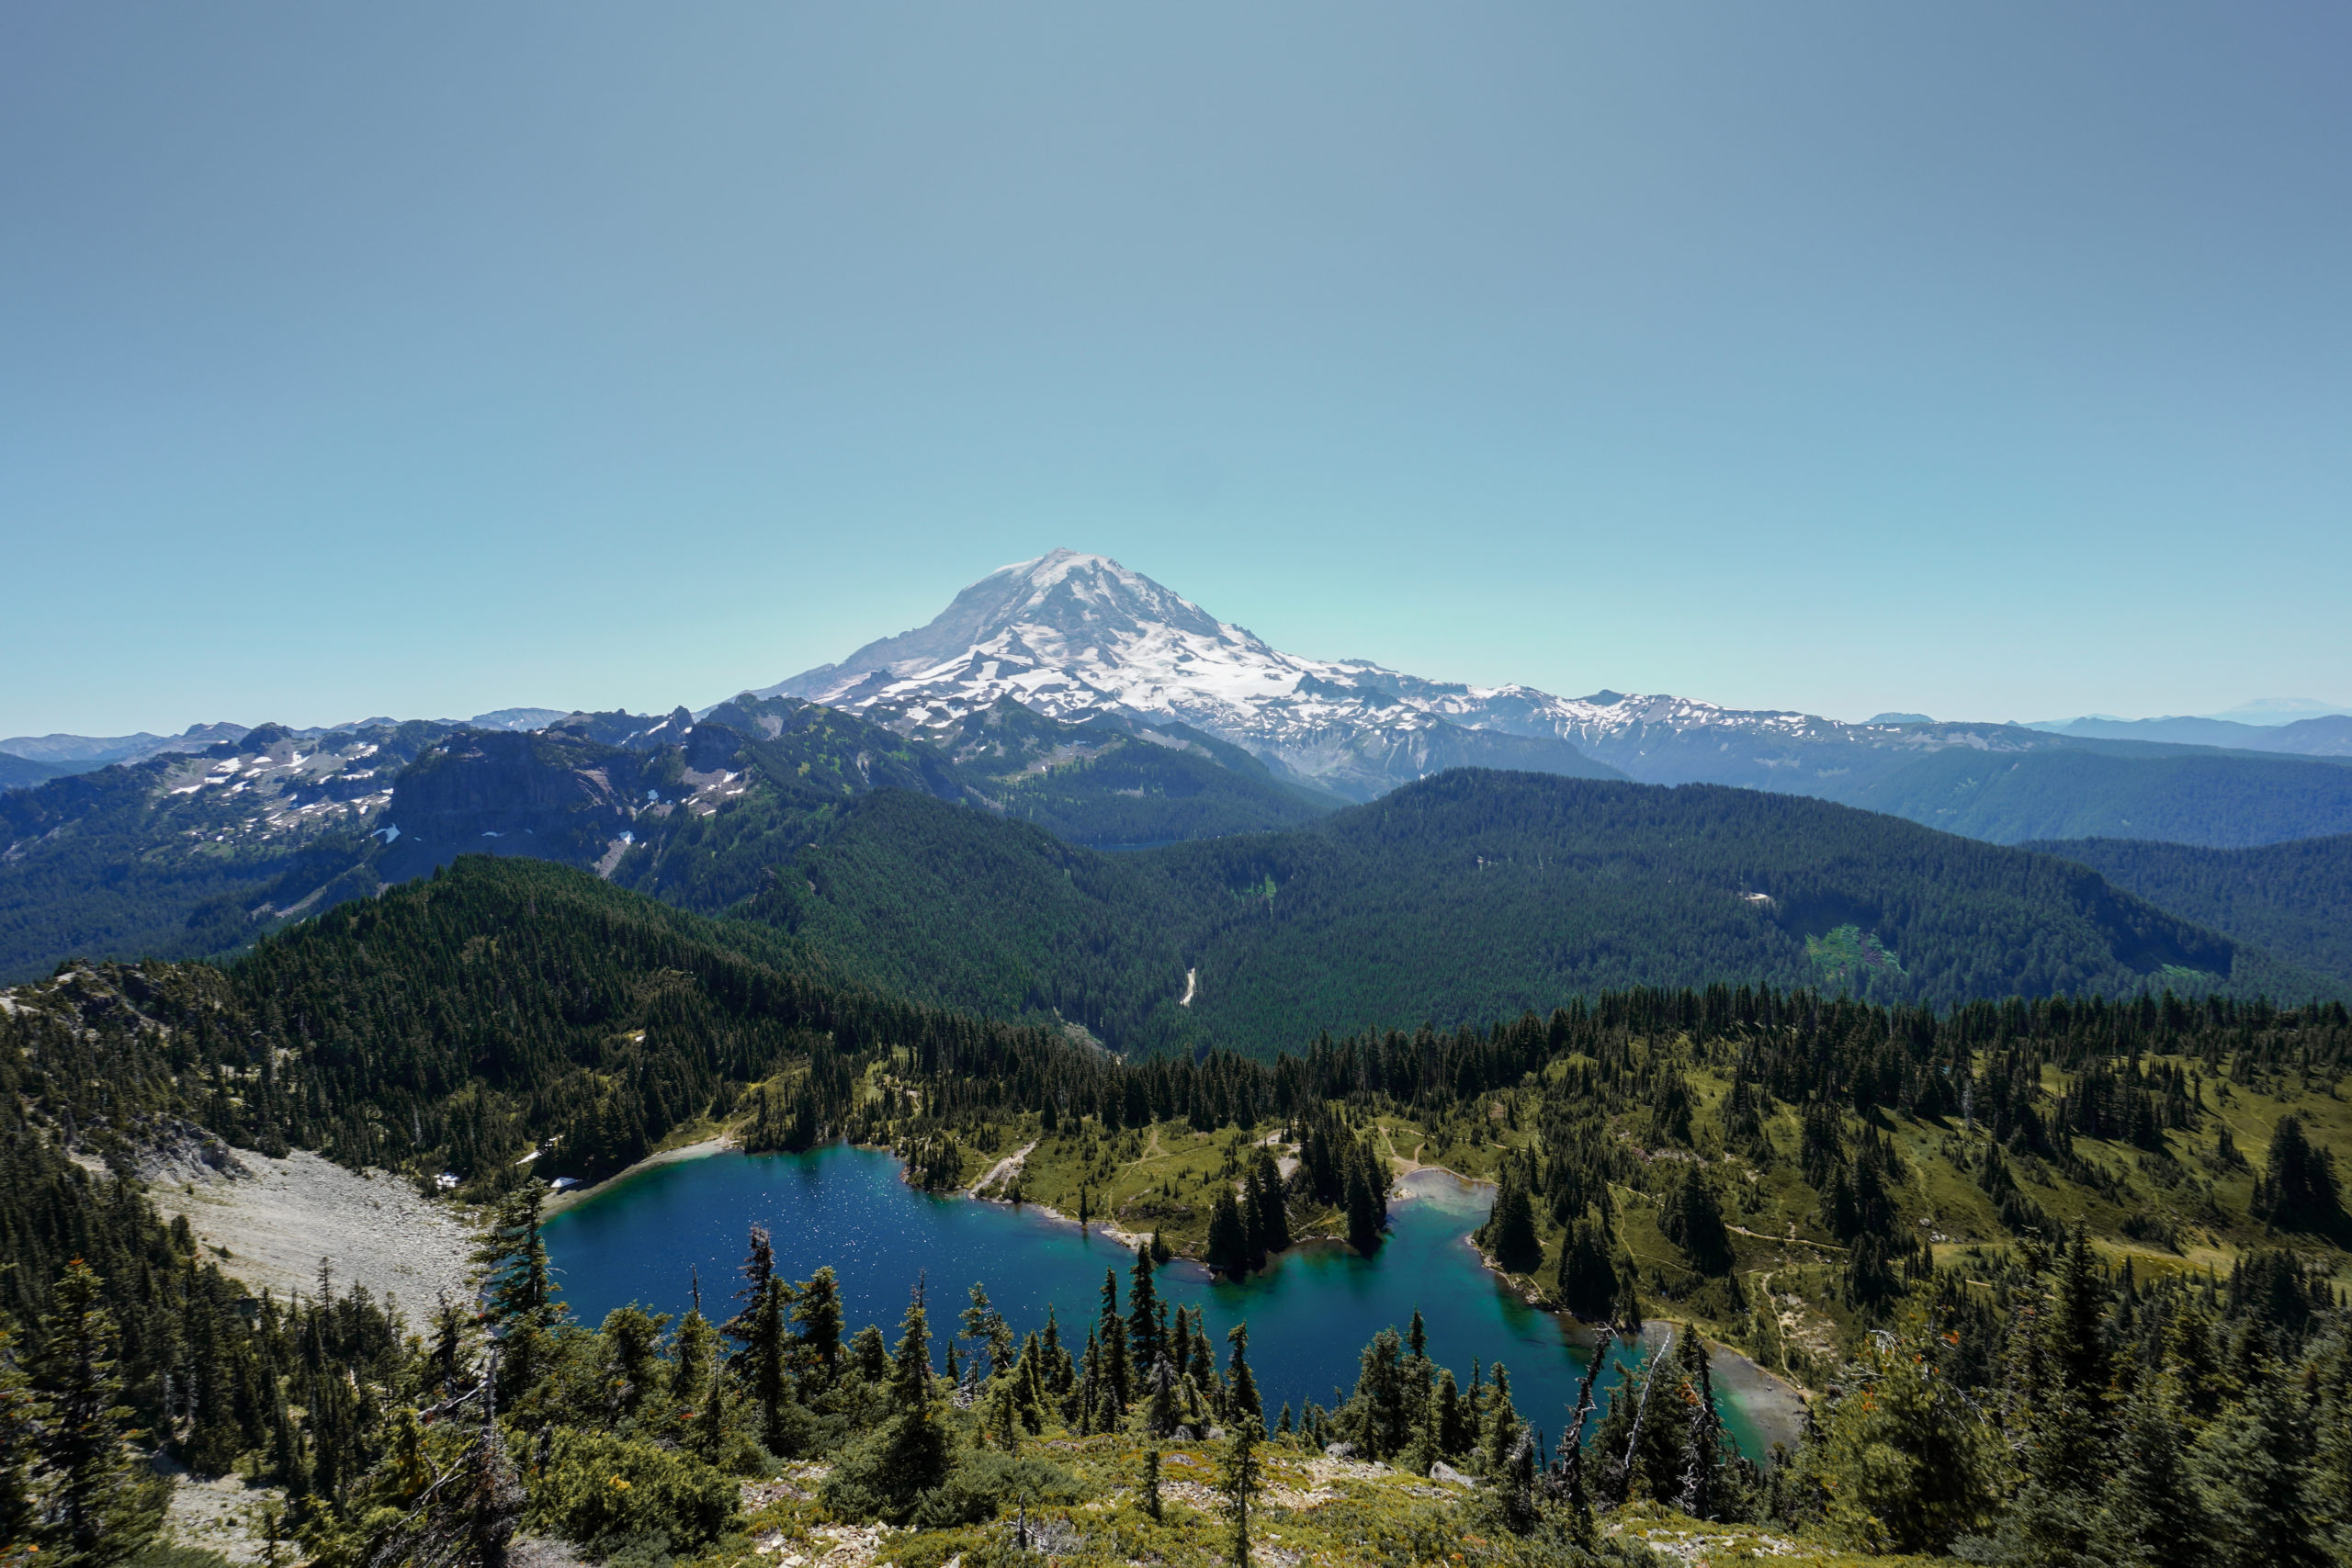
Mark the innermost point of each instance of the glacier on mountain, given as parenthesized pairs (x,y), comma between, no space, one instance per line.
(1077,636)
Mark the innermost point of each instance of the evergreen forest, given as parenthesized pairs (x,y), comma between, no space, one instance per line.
(2062,1274)
(2287,899)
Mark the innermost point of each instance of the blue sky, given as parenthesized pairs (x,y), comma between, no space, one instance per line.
(1990,361)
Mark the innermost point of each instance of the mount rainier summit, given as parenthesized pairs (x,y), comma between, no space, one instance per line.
(1077,636)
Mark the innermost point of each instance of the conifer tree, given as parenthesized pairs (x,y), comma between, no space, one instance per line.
(1144,1310)
(631,1339)
(1240,1475)
(1086,1398)
(1499,1428)
(103,1503)
(1366,1199)
(488,1499)
(1159,1415)
(1587,1281)
(2299,1189)
(759,1333)
(817,1316)
(1510,1231)
(1452,1417)
(986,1327)
(869,1355)
(1030,1377)
(912,1452)
(23,1416)
(1110,1341)
(2255,1466)
(1058,1368)
(1201,1365)
(1001,1415)
(449,1358)
(2076,1345)
(1228,1249)
(2153,1517)
(1693,1220)
(1702,1431)
(1625,1313)
(1904,1463)
(1378,1415)
(1270,1214)
(693,1376)
(519,1290)
(1241,1388)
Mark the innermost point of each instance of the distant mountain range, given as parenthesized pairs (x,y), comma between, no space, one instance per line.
(2327,734)
(1070,695)
(29,759)
(1077,636)
(1080,638)
(185,854)
(953,864)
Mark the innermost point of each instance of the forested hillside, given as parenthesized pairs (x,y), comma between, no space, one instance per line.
(188,856)
(22,772)
(189,853)
(2112,790)
(2112,1232)
(1467,897)
(2292,900)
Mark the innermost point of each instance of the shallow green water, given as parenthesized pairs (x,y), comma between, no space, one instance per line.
(1309,1315)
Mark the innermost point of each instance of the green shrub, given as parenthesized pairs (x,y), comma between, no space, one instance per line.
(598,1489)
(985,1483)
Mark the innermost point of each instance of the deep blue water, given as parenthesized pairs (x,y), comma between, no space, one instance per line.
(1309,1315)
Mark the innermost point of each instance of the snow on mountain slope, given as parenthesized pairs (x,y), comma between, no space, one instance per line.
(1073,634)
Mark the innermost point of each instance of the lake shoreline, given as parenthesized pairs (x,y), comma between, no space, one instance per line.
(1774,1404)
(723,1143)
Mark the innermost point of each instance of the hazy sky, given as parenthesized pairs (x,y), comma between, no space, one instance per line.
(1989,360)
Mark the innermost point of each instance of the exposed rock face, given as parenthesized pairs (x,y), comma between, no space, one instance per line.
(173,1152)
(488,793)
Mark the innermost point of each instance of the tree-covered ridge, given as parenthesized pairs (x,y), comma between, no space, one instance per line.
(1465,898)
(2289,899)
(131,861)
(187,855)
(2111,789)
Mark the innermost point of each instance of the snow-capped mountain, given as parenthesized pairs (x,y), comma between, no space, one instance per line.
(1079,635)
(1075,636)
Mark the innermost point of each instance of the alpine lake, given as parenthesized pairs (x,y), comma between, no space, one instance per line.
(648,1236)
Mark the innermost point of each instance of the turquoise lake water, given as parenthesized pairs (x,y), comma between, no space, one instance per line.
(1309,1315)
